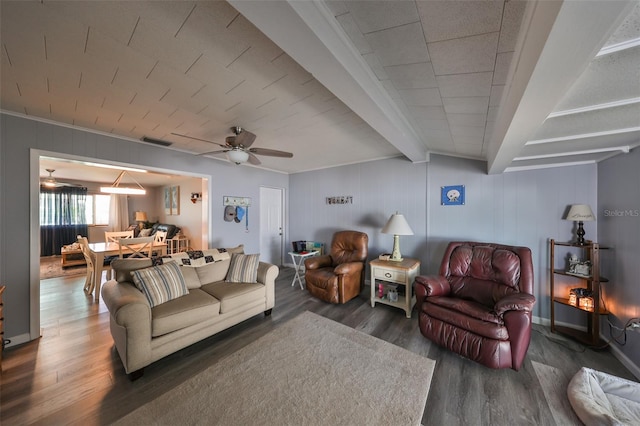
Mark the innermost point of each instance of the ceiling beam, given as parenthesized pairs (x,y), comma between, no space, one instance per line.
(310,34)
(558,41)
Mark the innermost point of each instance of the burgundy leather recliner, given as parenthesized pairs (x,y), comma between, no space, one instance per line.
(339,276)
(479,305)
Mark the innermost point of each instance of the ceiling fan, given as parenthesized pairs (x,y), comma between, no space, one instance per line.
(52,182)
(238,149)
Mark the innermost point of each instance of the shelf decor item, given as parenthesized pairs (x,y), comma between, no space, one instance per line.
(580,213)
(397,225)
(586,303)
(573,298)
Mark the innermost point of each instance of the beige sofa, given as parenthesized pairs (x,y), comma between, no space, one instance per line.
(145,334)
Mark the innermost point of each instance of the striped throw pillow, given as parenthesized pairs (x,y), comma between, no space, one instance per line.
(243,268)
(160,284)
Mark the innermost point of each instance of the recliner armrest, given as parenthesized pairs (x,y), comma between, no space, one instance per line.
(317,262)
(348,268)
(515,302)
(431,285)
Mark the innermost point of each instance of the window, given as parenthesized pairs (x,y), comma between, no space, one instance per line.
(97,209)
(62,206)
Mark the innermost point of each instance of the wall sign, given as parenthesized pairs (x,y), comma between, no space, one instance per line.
(452,195)
(345,199)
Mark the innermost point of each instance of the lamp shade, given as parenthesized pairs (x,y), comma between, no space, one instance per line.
(238,156)
(397,225)
(580,213)
(141,216)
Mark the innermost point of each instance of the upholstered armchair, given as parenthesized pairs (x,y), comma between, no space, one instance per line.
(338,277)
(479,305)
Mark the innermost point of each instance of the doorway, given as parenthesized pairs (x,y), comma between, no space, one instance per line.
(271,225)
(200,211)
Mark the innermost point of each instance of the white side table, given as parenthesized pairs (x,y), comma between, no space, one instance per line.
(389,273)
(298,264)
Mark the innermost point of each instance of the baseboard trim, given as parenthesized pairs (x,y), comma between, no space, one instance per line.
(615,349)
(18,340)
(620,356)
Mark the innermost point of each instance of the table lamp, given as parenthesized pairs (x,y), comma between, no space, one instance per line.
(397,225)
(580,213)
(140,218)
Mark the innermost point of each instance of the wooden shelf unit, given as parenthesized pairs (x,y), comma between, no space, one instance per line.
(591,252)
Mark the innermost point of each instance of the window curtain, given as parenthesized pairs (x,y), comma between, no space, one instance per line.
(118,212)
(62,217)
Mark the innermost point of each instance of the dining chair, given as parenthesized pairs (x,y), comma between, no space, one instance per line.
(136,247)
(160,237)
(84,247)
(91,269)
(114,236)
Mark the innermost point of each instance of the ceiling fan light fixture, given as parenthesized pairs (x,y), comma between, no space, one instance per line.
(238,156)
(115,188)
(50,182)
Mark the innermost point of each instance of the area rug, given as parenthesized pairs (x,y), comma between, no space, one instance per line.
(309,371)
(51,267)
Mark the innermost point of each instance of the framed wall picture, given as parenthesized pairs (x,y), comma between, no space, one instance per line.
(167,201)
(452,195)
(172,200)
(175,200)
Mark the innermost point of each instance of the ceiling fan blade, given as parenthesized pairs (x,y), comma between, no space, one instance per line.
(271,152)
(253,159)
(198,139)
(231,141)
(245,138)
(220,151)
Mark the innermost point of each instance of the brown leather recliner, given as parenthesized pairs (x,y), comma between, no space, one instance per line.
(339,276)
(480,303)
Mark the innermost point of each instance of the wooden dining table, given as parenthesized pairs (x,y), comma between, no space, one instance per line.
(101,250)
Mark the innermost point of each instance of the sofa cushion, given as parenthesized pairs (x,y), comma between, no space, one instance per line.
(212,272)
(191,278)
(146,232)
(243,268)
(160,284)
(234,295)
(124,267)
(196,306)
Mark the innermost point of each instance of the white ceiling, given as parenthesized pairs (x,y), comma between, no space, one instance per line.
(335,82)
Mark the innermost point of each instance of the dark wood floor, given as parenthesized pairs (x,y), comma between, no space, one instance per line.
(73,375)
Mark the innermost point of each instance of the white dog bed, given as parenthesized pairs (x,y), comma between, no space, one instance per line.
(602,399)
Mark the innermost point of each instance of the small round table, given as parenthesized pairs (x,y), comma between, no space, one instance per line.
(298,264)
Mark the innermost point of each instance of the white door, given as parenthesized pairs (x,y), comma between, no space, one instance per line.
(271,225)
